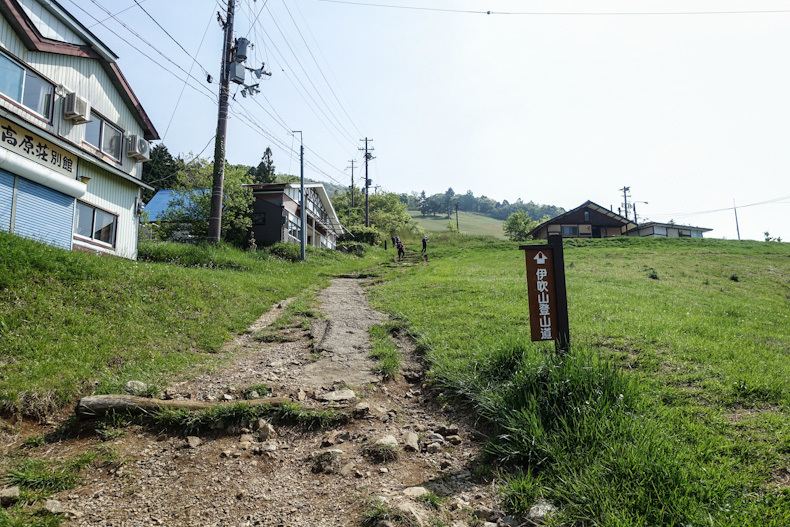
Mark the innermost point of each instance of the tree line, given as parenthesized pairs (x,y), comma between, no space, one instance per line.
(444,203)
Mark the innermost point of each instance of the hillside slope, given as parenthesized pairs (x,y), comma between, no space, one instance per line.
(468,223)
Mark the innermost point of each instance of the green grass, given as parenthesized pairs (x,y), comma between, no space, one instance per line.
(38,479)
(188,422)
(385,351)
(672,407)
(73,323)
(468,223)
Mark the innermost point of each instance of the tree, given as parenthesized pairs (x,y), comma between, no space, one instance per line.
(160,171)
(265,171)
(423,203)
(518,225)
(191,203)
(388,214)
(768,237)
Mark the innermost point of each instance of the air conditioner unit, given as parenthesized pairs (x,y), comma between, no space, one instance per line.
(77,109)
(138,148)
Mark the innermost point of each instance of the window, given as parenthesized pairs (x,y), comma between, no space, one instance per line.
(95,224)
(587,216)
(570,230)
(25,87)
(104,136)
(293,222)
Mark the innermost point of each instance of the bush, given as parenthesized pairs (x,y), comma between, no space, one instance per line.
(361,234)
(286,251)
(357,249)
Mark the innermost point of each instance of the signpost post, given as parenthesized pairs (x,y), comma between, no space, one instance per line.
(548,300)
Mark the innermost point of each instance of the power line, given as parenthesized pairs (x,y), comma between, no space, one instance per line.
(320,70)
(175,108)
(257,127)
(185,164)
(698,213)
(304,91)
(256,18)
(559,13)
(200,91)
(328,65)
(108,18)
(194,59)
(143,39)
(309,79)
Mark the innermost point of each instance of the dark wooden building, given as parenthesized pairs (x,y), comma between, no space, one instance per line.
(276,215)
(589,220)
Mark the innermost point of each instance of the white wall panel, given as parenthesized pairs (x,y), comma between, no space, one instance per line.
(47,24)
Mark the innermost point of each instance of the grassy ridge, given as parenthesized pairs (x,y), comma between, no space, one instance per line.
(468,222)
(672,408)
(73,323)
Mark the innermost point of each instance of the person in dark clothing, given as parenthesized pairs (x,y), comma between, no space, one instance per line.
(401,251)
(424,245)
(394,245)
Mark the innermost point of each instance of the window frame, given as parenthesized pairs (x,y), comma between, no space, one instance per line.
(103,123)
(571,229)
(91,238)
(27,71)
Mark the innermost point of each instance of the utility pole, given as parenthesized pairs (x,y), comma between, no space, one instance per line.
(215,215)
(737,228)
(352,182)
(368,157)
(633,205)
(457,228)
(303,237)
(625,190)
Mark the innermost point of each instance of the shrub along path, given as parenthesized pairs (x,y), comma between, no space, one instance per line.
(351,450)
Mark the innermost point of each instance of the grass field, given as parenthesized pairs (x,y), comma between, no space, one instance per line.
(72,323)
(468,222)
(672,407)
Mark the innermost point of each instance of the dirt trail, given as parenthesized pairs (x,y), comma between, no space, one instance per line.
(297,477)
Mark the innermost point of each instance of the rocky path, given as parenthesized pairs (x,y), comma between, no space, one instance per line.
(287,476)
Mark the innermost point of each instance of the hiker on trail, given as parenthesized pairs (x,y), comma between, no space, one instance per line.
(401,250)
(394,245)
(424,245)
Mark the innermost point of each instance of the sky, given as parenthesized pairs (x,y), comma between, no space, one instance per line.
(687,102)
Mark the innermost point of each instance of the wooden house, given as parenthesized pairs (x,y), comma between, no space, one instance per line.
(73,135)
(589,220)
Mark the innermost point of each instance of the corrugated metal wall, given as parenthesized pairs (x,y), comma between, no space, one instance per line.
(6,195)
(43,214)
(117,196)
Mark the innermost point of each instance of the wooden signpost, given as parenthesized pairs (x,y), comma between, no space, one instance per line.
(548,301)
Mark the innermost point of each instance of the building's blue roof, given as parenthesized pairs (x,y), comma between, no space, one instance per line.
(158,204)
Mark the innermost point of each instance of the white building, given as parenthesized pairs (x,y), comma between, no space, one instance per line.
(667,230)
(72,134)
